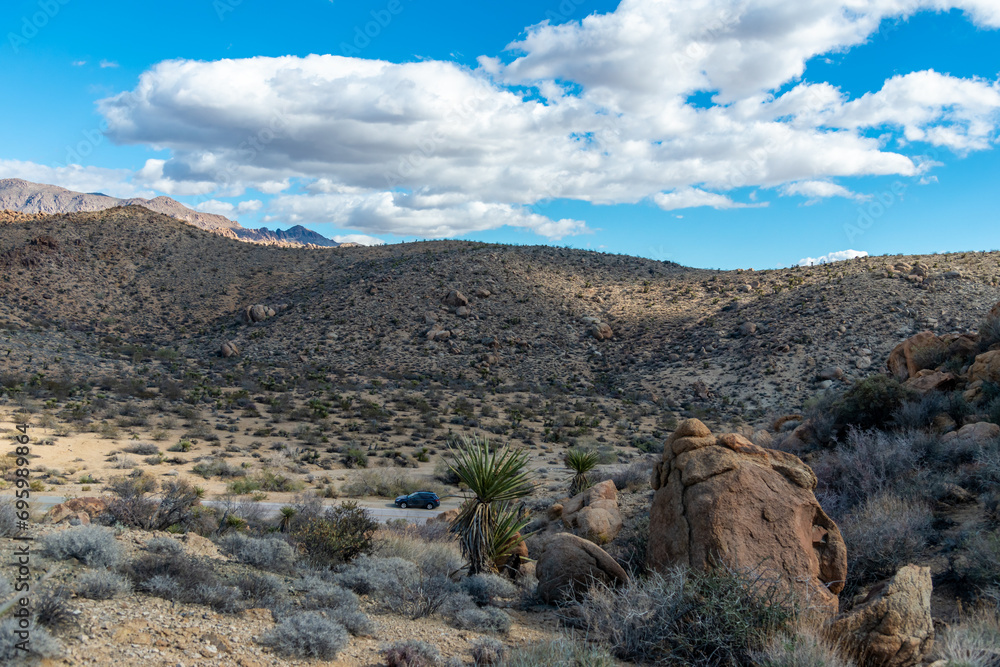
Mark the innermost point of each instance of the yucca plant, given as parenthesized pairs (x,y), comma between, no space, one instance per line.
(494,477)
(580,461)
(509,523)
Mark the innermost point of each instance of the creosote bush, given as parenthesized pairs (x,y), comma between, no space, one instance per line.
(558,653)
(42,644)
(689,617)
(870,403)
(343,533)
(412,653)
(266,553)
(102,585)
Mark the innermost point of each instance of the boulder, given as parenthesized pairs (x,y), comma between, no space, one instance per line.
(257,313)
(446,516)
(980,433)
(986,368)
(748,329)
(455,299)
(229,349)
(927,380)
(723,499)
(483,293)
(892,626)
(463,311)
(593,514)
(924,350)
(568,565)
(76,510)
(601,331)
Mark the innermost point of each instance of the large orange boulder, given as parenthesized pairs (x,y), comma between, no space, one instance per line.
(569,565)
(724,500)
(924,350)
(593,514)
(80,510)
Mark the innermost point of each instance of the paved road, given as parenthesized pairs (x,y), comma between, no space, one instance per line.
(383,512)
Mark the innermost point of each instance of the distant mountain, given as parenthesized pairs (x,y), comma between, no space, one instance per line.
(27,197)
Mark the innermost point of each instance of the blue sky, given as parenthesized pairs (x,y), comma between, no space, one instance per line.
(721,135)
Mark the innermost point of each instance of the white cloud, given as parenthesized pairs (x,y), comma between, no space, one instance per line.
(108,63)
(431,148)
(362,239)
(249,206)
(217,207)
(817,190)
(693,197)
(79,63)
(838,256)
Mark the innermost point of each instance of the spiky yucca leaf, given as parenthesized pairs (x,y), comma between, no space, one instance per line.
(581,462)
(508,524)
(494,477)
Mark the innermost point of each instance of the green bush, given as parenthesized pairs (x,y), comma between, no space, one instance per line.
(387,483)
(870,403)
(343,533)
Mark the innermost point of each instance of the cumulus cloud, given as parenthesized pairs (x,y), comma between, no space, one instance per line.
(693,197)
(432,148)
(838,256)
(817,190)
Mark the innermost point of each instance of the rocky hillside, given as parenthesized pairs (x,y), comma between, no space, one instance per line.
(26,197)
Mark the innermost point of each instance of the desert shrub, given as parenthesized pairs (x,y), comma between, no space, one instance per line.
(558,653)
(485,588)
(134,506)
(342,534)
(979,560)
(164,545)
(632,477)
(387,483)
(369,575)
(412,653)
(174,577)
(94,546)
(220,597)
(52,608)
(217,468)
(42,644)
(799,649)
(260,589)
(266,553)
(319,593)
(8,518)
(6,589)
(972,642)
(306,635)
(102,585)
(398,585)
(870,403)
(581,462)
(142,449)
(920,412)
(866,464)
(884,533)
(689,617)
(462,612)
(432,557)
(488,652)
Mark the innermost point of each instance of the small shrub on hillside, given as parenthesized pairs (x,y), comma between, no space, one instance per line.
(558,653)
(259,589)
(484,589)
(883,534)
(687,617)
(164,545)
(94,546)
(52,608)
(439,556)
(870,403)
(342,534)
(318,593)
(369,575)
(173,577)
(134,505)
(142,449)
(978,562)
(633,477)
(306,635)
(42,644)
(972,642)
(8,518)
(266,553)
(217,468)
(488,652)
(463,614)
(799,649)
(102,585)
(412,653)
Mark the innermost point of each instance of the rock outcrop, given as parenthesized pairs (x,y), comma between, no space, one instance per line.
(76,510)
(569,565)
(456,299)
(724,499)
(893,626)
(229,349)
(980,433)
(257,313)
(593,514)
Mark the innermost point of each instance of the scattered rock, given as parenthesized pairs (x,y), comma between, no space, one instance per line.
(986,368)
(831,373)
(601,331)
(981,433)
(229,349)
(483,293)
(80,510)
(455,299)
(463,311)
(893,626)
(569,565)
(257,313)
(593,514)
(723,497)
(748,329)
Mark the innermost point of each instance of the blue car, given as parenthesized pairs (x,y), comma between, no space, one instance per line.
(424,499)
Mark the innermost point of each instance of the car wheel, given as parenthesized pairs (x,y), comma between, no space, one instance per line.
(402,505)
(430,506)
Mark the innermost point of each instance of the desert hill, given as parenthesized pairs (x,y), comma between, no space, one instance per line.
(726,342)
(26,197)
